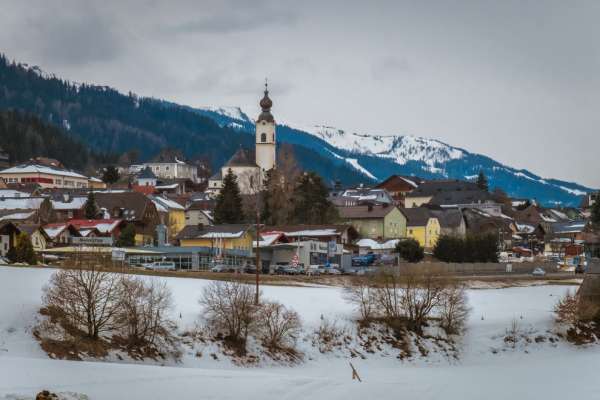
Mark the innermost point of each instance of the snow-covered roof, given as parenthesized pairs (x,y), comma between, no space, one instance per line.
(17,216)
(26,203)
(102,225)
(269,238)
(94,179)
(76,203)
(222,235)
(53,230)
(525,228)
(164,205)
(171,186)
(41,169)
(374,245)
(313,232)
(13,193)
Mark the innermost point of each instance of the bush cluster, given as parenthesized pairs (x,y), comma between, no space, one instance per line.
(410,299)
(472,248)
(410,250)
(230,311)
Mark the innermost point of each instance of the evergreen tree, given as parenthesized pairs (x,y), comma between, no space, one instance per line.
(410,250)
(127,236)
(91,208)
(310,201)
(595,217)
(110,175)
(23,250)
(482,181)
(228,209)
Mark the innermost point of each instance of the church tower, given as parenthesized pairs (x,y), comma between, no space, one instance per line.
(265,135)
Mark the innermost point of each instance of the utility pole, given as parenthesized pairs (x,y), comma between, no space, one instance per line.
(257,244)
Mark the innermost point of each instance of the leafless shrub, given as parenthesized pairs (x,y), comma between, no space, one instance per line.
(388,294)
(422,291)
(361,293)
(86,299)
(453,309)
(143,314)
(328,335)
(513,332)
(279,326)
(229,310)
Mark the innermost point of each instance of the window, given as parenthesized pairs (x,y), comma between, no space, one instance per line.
(263,137)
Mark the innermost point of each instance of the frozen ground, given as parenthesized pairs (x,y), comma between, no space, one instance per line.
(488,368)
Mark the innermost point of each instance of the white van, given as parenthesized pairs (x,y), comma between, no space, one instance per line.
(161,266)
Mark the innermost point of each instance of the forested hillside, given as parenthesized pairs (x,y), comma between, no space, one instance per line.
(25,136)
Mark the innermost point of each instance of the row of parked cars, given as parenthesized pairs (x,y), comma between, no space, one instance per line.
(282,269)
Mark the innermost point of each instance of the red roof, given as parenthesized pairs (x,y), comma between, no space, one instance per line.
(96,223)
(143,189)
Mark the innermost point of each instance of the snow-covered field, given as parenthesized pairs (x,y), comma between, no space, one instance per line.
(488,368)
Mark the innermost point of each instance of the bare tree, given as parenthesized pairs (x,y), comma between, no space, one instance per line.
(229,309)
(454,309)
(143,314)
(87,299)
(422,292)
(279,326)
(388,294)
(362,294)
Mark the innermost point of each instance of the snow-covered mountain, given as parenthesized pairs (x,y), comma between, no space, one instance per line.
(375,157)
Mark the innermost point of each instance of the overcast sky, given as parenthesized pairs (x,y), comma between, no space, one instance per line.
(515,80)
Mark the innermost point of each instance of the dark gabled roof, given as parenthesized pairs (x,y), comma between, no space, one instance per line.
(448,218)
(431,188)
(478,221)
(146,173)
(133,204)
(241,158)
(216,177)
(460,197)
(199,231)
(416,216)
(365,211)
(399,182)
(29,229)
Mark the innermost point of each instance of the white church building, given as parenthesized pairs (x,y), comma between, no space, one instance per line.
(251,173)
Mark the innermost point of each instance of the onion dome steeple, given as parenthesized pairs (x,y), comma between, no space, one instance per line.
(265,104)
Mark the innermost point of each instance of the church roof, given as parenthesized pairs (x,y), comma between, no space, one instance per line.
(146,174)
(241,158)
(265,104)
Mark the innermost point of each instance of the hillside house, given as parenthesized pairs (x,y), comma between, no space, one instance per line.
(399,187)
(380,222)
(422,226)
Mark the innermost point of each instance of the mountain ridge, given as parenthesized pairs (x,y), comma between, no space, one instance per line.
(418,156)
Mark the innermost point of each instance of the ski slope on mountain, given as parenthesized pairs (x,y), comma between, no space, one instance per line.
(487,367)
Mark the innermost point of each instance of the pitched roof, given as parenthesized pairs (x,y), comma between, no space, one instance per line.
(399,182)
(431,188)
(132,204)
(241,158)
(308,230)
(102,225)
(418,216)
(451,219)
(365,211)
(146,173)
(460,197)
(41,169)
(213,231)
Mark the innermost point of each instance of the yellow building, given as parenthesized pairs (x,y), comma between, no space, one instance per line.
(227,236)
(422,226)
(96,183)
(172,214)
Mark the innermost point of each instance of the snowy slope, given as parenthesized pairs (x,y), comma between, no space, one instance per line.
(375,157)
(488,368)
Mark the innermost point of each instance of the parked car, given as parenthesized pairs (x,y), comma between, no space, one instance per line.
(250,269)
(161,266)
(221,268)
(287,270)
(313,270)
(538,271)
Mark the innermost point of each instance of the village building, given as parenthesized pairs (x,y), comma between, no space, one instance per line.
(44,175)
(197,213)
(422,226)
(169,167)
(399,187)
(359,196)
(59,234)
(134,208)
(96,183)
(226,236)
(250,171)
(446,192)
(172,214)
(380,222)
(39,238)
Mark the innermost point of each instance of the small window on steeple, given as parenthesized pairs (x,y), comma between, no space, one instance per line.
(263,137)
